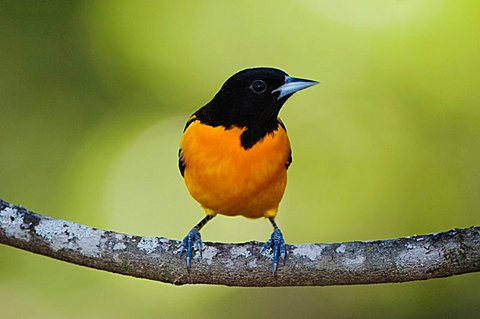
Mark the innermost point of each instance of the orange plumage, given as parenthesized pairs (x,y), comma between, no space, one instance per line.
(226,178)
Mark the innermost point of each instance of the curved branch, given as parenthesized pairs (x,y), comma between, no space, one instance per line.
(396,260)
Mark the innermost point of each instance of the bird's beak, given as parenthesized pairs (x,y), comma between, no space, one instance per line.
(293,85)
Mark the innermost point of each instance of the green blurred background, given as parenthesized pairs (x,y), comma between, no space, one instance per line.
(94,96)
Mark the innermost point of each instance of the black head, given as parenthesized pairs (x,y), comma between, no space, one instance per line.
(252,97)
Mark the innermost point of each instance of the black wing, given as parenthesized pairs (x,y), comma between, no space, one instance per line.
(289,161)
(181,163)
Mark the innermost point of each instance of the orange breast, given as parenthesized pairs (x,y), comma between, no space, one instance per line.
(227,179)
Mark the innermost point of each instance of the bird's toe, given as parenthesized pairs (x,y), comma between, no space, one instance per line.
(191,242)
(277,244)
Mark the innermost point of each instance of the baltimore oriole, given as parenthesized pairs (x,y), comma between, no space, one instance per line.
(234,153)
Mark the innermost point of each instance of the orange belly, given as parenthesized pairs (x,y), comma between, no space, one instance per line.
(227,179)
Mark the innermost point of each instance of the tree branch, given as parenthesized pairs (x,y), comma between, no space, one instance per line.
(397,260)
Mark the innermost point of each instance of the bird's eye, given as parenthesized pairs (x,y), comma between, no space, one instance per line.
(258,86)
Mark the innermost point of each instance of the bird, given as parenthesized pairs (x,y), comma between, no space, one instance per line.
(234,154)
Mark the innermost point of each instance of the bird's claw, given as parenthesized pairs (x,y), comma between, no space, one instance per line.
(193,241)
(277,244)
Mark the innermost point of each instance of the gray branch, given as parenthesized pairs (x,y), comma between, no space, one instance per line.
(397,260)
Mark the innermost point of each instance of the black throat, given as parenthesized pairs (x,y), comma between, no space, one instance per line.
(256,127)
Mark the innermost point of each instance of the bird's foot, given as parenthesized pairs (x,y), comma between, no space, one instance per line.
(277,244)
(193,241)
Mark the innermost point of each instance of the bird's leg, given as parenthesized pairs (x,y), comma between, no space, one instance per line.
(193,240)
(277,244)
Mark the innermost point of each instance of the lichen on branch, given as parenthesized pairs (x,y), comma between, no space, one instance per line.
(360,262)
